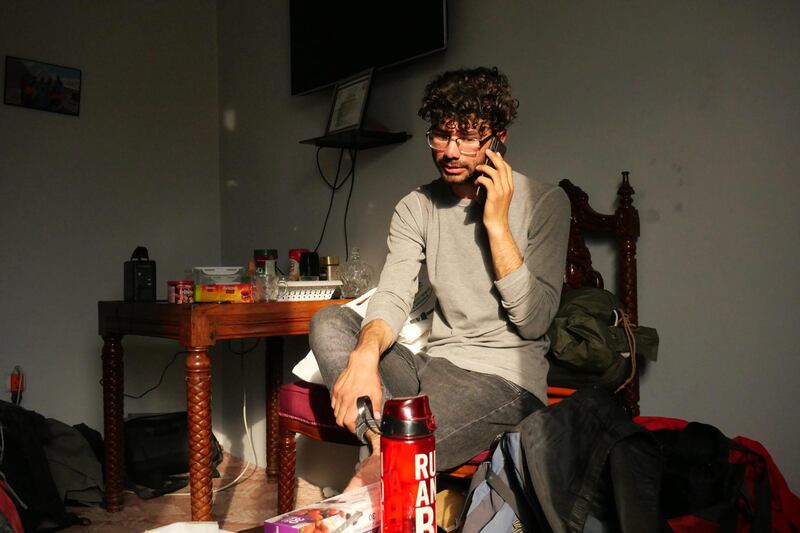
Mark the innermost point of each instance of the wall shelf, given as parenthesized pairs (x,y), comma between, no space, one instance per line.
(358,139)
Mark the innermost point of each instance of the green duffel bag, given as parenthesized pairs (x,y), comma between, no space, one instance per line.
(591,339)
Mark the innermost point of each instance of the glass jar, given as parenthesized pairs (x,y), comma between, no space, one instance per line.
(265,286)
(356,275)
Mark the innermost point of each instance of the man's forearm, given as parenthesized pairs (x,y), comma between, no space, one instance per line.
(506,256)
(374,339)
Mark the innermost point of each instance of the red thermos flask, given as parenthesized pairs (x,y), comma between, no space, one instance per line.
(408,466)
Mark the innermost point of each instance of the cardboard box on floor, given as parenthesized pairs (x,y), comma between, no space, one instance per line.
(358,511)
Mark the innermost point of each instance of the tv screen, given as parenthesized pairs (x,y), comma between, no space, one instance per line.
(332,40)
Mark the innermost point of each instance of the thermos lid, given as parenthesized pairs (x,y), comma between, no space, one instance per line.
(409,417)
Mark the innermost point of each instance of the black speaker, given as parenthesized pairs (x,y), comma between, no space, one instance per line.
(140,277)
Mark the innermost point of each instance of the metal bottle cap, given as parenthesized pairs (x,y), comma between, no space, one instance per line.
(408,417)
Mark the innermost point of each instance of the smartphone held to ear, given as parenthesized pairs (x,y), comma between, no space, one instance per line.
(495,145)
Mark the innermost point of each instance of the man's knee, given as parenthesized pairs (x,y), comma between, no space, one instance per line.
(330,323)
(328,318)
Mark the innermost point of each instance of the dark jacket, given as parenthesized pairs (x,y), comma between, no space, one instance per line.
(586,457)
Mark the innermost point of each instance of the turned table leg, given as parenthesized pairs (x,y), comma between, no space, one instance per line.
(113,406)
(287,478)
(273,378)
(198,401)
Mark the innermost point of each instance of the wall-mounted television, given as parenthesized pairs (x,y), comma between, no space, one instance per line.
(332,40)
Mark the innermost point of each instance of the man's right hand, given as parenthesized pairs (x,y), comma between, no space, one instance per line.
(361,377)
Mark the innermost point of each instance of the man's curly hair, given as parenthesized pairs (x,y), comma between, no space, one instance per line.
(469,96)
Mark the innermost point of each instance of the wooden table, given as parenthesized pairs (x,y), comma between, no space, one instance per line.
(197,327)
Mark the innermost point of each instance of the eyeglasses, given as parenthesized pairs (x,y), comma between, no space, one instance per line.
(438,140)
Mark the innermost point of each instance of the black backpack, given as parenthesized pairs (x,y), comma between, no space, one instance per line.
(27,472)
(157,453)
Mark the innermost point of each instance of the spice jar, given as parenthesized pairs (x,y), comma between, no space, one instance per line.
(329,267)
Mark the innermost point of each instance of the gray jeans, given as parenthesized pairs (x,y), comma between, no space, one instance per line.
(470,408)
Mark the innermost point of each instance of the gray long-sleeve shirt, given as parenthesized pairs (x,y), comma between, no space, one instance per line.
(480,324)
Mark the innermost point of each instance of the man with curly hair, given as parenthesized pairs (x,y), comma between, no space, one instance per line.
(493,242)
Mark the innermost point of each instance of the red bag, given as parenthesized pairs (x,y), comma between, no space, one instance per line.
(8,510)
(741,491)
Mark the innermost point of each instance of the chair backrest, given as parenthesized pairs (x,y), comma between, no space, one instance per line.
(623,228)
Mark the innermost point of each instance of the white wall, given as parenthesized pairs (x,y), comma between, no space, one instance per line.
(699,101)
(139,166)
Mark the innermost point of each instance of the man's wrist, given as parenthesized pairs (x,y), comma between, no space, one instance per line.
(364,355)
(499,230)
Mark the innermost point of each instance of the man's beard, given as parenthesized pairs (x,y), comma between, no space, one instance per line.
(457,180)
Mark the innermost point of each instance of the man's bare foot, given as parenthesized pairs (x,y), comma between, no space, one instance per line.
(369,470)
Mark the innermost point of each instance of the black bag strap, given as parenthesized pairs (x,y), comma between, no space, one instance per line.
(505,492)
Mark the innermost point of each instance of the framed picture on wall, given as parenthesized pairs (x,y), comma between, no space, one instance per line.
(43,86)
(349,103)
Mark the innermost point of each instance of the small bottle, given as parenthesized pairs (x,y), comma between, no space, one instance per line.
(265,280)
(294,263)
(271,275)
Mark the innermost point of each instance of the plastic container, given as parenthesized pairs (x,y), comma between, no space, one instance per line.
(296,291)
(217,275)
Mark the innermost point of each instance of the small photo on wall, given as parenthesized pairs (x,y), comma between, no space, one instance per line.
(44,86)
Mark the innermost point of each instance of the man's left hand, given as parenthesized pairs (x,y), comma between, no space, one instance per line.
(498,186)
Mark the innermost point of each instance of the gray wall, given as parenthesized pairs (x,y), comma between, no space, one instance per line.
(190,101)
(698,100)
(139,166)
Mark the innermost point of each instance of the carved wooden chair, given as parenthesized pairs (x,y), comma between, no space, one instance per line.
(305,407)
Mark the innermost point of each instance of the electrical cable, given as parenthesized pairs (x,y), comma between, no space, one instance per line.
(249,438)
(238,478)
(335,186)
(242,351)
(353,154)
(327,215)
(160,380)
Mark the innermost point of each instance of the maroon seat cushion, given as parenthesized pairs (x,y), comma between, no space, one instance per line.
(307,402)
(311,403)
